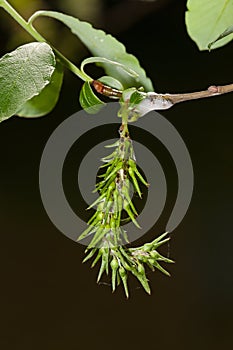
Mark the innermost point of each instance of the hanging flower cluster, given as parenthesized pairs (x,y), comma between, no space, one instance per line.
(115,207)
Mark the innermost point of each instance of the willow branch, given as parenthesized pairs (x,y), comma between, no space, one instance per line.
(172,98)
(211,91)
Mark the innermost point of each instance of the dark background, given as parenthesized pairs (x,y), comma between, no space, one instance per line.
(49,300)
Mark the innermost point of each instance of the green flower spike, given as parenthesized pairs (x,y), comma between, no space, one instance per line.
(116,187)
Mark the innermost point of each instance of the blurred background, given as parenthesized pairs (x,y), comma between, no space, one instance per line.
(49,300)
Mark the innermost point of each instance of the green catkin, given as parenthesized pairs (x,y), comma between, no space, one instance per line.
(105,225)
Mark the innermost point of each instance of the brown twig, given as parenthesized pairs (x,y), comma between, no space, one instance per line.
(211,91)
(173,98)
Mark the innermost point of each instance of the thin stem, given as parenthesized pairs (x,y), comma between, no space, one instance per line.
(33,32)
(68,64)
(211,91)
(173,98)
(124,117)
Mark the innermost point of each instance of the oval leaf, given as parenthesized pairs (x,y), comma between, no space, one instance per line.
(24,73)
(104,45)
(44,103)
(88,100)
(206,20)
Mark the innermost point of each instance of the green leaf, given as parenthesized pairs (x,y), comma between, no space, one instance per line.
(45,102)
(226,32)
(206,20)
(104,45)
(24,73)
(88,100)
